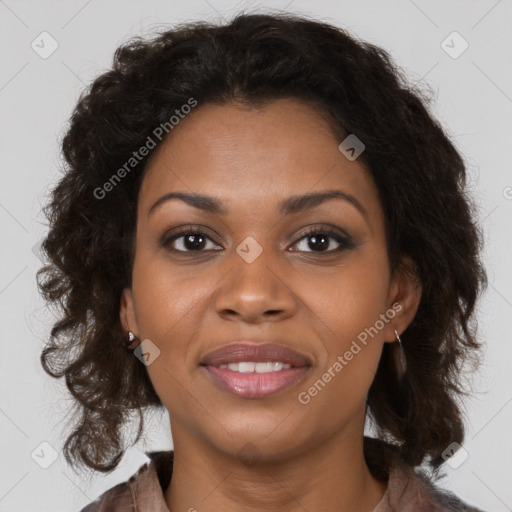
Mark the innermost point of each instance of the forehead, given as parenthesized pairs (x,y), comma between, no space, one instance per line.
(253,156)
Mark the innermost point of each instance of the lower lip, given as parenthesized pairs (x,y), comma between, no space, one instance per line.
(255,385)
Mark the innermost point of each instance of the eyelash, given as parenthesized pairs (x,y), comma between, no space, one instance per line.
(345,242)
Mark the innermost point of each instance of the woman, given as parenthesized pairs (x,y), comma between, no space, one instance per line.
(262,229)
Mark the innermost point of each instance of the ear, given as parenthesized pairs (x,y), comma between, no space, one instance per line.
(127,312)
(404,298)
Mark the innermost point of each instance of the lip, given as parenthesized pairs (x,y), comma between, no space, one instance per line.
(261,352)
(255,385)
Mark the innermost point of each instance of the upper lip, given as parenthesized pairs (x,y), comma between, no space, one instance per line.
(261,352)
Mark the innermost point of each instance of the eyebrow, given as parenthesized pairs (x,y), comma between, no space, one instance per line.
(291,205)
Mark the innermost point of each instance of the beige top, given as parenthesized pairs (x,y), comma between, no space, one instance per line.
(408,489)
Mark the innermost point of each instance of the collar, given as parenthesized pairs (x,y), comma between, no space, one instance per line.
(408,489)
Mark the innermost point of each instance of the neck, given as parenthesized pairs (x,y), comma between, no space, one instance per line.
(330,476)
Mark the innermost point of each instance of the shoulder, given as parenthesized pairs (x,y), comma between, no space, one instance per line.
(118,497)
(409,489)
(420,491)
(143,487)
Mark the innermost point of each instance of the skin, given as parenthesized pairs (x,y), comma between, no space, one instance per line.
(317,301)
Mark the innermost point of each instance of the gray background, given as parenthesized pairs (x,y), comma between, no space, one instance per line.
(473,102)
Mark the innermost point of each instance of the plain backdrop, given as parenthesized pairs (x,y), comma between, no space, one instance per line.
(473,89)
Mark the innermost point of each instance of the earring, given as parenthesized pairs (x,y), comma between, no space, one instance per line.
(131,341)
(402,361)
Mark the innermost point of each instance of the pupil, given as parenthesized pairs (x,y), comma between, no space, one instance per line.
(324,242)
(190,244)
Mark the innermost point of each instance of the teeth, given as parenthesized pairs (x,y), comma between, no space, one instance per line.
(245,367)
(251,367)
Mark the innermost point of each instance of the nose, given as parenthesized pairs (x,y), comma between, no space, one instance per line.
(255,292)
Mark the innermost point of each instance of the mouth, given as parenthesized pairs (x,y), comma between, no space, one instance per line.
(255,371)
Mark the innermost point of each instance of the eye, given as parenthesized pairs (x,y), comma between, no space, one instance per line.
(189,240)
(321,239)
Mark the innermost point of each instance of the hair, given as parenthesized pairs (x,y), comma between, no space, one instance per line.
(254,59)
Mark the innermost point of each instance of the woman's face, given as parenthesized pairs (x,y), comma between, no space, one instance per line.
(256,274)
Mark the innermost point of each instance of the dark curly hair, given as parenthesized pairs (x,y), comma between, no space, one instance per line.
(254,59)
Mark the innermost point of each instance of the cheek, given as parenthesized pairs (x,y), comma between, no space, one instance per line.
(170,308)
(352,300)
(348,311)
(166,298)
(342,378)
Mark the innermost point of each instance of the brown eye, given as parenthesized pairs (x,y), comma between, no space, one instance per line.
(321,240)
(189,240)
